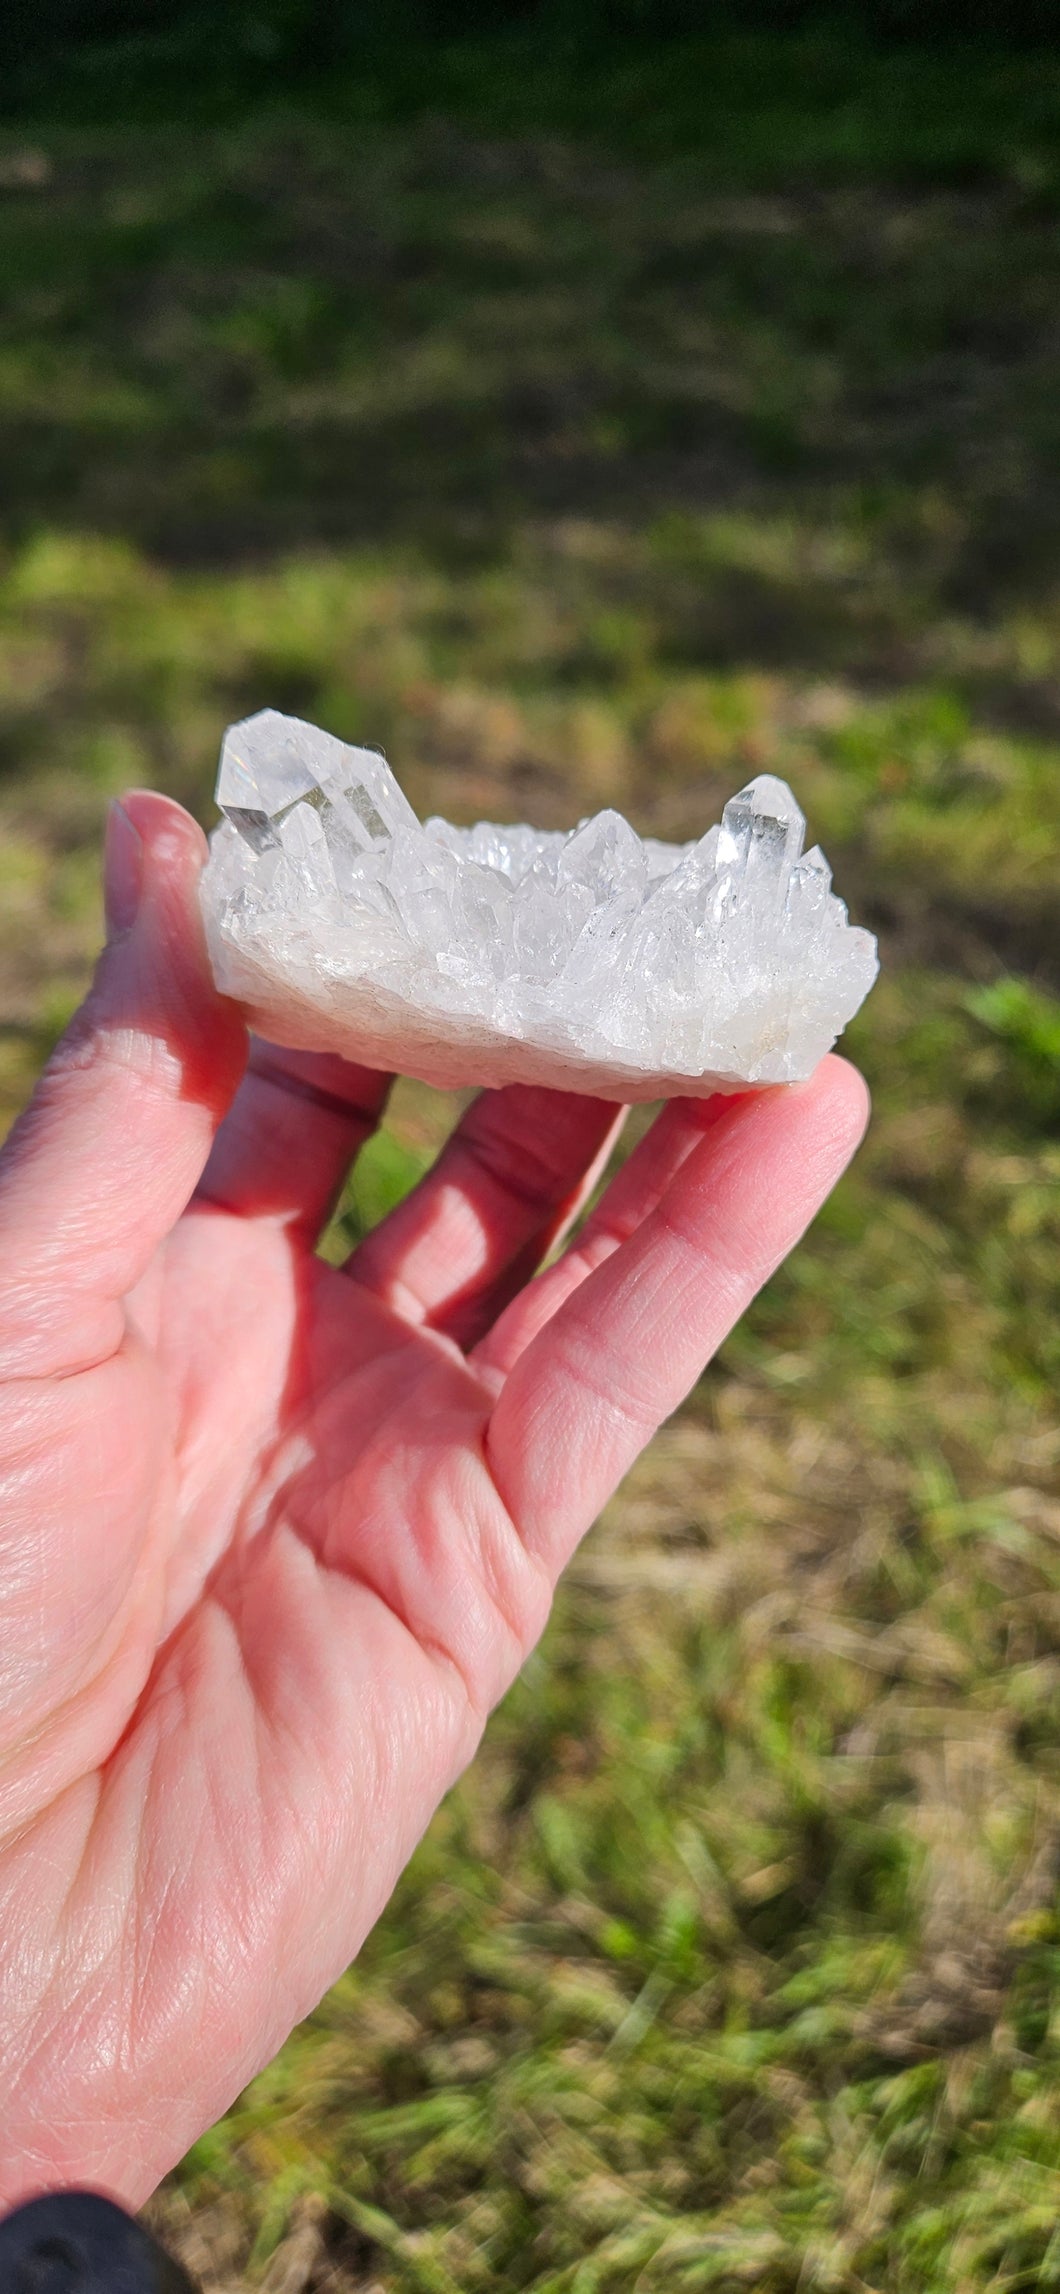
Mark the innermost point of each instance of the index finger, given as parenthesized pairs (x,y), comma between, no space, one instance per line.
(298,1121)
(625,1347)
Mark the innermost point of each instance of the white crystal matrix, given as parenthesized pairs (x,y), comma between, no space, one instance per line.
(594,961)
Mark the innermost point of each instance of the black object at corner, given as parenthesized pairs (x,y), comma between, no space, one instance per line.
(74,2242)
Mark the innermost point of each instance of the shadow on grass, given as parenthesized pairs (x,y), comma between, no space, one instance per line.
(309,323)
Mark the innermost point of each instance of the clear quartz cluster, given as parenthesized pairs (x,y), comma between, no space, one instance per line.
(594,961)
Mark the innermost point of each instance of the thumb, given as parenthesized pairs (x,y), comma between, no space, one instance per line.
(114,1140)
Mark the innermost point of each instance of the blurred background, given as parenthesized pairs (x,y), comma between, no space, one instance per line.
(595,404)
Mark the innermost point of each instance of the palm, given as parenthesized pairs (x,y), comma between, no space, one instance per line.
(294,1527)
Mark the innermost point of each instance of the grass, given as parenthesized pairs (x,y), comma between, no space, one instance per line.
(580,467)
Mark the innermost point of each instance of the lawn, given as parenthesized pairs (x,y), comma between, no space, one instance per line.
(600,431)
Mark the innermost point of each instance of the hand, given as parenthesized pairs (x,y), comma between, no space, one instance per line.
(275,1536)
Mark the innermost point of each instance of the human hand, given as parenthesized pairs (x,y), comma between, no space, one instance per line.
(275,1536)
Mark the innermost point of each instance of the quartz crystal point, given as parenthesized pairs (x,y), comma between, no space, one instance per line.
(595,961)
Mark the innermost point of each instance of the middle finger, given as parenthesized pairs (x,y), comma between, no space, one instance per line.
(506,1185)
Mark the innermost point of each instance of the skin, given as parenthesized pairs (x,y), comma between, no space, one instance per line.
(276,1536)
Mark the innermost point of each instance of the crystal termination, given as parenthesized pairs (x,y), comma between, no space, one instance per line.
(595,961)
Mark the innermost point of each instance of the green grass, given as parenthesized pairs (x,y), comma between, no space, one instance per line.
(577,467)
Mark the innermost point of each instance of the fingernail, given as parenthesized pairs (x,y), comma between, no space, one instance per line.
(123,868)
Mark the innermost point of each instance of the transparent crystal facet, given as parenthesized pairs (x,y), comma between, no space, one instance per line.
(595,961)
